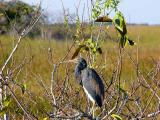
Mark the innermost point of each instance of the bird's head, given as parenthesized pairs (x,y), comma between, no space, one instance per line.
(81,62)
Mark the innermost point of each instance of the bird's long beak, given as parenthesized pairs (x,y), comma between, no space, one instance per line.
(73,61)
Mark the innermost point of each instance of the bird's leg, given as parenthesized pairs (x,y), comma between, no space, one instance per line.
(92,110)
(88,106)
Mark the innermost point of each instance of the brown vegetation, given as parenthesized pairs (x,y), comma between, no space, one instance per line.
(33,66)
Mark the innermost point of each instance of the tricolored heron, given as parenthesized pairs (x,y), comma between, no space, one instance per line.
(90,81)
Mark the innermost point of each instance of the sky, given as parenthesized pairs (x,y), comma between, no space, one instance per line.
(135,11)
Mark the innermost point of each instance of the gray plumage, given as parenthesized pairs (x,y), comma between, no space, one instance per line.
(90,80)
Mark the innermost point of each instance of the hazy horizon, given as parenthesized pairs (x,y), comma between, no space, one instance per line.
(138,12)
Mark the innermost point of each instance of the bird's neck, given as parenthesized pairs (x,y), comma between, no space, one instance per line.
(78,71)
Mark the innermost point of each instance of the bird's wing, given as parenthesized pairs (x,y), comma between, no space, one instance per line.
(93,84)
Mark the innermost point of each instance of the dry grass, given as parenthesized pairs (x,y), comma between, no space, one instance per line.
(39,64)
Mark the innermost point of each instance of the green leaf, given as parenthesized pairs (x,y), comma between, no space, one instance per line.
(3,111)
(46,118)
(78,28)
(93,46)
(131,42)
(23,88)
(96,11)
(120,23)
(89,41)
(94,50)
(116,117)
(112,4)
(87,45)
(123,41)
(6,101)
(65,21)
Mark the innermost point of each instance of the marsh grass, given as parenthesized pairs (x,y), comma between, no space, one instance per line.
(39,57)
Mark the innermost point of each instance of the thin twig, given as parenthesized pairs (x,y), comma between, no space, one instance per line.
(52,84)
(15,98)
